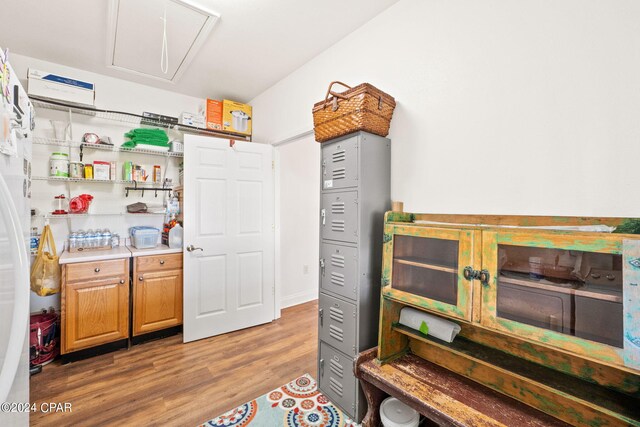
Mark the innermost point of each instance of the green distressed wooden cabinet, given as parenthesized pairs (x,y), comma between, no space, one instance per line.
(548,306)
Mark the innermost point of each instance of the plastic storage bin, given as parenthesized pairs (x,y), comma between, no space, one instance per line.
(394,413)
(144,237)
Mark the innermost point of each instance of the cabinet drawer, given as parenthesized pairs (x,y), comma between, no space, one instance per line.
(337,324)
(158,262)
(340,164)
(336,378)
(339,270)
(94,270)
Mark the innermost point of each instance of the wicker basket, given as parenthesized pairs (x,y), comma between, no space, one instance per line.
(363,107)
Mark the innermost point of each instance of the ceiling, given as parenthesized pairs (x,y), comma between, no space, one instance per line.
(254,44)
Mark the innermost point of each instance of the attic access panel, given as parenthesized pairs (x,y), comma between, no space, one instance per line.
(135,35)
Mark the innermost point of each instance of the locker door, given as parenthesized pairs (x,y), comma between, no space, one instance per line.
(339,270)
(339,216)
(337,321)
(340,164)
(336,378)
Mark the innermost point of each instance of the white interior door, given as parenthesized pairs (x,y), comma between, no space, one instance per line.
(229,221)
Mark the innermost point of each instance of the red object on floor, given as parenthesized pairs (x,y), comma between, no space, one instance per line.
(44,337)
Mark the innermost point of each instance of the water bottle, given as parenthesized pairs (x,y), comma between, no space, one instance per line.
(35,240)
(115,240)
(90,239)
(105,239)
(73,240)
(81,241)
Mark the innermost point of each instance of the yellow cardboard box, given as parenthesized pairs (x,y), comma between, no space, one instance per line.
(236,117)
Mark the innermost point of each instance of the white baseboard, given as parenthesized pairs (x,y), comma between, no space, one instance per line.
(298,298)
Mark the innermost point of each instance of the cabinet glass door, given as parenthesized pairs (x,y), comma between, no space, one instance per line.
(427,268)
(564,290)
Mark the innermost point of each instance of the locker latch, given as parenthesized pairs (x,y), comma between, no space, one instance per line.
(323,215)
(321,315)
(322,266)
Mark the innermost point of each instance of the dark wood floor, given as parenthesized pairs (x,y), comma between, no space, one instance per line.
(175,384)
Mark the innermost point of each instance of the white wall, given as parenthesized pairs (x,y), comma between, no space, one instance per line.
(299,182)
(113,94)
(504,107)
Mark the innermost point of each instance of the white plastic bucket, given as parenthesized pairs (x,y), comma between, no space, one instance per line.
(59,165)
(394,413)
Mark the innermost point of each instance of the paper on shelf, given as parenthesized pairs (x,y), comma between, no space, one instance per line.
(434,325)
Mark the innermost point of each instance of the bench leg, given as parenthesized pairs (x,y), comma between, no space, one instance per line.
(374,396)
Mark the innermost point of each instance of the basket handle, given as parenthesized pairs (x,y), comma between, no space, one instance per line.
(336,95)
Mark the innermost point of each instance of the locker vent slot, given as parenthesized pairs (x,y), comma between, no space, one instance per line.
(339,156)
(336,333)
(335,386)
(339,173)
(337,279)
(337,261)
(336,368)
(336,314)
(337,207)
(337,225)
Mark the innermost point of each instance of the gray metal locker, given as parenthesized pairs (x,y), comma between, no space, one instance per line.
(339,270)
(340,163)
(335,376)
(355,194)
(337,323)
(339,216)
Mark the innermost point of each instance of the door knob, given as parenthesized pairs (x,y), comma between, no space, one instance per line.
(192,248)
(484,277)
(122,281)
(141,278)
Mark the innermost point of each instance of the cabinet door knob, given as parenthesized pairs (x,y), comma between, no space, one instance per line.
(97,270)
(122,281)
(161,262)
(140,278)
(484,277)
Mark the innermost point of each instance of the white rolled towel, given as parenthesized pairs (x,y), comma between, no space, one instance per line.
(429,324)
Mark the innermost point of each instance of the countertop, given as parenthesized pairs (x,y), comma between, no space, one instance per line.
(158,250)
(115,253)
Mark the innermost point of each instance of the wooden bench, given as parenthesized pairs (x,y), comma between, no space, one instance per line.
(443,397)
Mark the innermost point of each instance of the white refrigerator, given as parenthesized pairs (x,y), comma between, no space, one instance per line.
(15,188)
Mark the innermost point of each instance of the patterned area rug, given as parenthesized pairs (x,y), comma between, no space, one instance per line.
(296,404)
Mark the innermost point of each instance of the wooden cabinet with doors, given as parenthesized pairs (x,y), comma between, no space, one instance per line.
(157,292)
(94,303)
(549,307)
